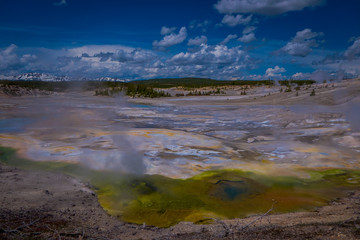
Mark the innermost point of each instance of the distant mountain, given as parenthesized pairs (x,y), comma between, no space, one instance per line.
(36,77)
(52,78)
(110,79)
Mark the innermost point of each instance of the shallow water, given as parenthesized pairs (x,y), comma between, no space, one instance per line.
(13,125)
(177,141)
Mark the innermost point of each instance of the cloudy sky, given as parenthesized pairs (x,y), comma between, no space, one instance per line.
(220,39)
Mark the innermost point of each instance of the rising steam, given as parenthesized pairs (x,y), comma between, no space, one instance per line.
(72,123)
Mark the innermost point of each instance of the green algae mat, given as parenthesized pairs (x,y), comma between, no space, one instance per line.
(162,201)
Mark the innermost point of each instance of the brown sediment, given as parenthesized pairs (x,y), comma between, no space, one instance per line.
(45,205)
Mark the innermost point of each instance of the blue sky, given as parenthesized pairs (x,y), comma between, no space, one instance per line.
(221,39)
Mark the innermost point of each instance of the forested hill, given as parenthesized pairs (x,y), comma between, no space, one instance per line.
(196,82)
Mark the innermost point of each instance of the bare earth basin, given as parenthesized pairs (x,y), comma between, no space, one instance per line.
(173,162)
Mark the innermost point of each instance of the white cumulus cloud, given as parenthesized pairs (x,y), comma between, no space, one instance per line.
(247,38)
(301,45)
(171,39)
(233,21)
(8,57)
(264,7)
(248,35)
(249,29)
(197,41)
(300,76)
(94,49)
(228,39)
(216,61)
(354,50)
(167,30)
(12,62)
(28,58)
(209,54)
(274,72)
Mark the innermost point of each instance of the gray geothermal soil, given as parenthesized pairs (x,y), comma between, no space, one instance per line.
(45,205)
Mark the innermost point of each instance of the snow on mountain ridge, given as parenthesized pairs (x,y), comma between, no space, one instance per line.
(49,77)
(35,77)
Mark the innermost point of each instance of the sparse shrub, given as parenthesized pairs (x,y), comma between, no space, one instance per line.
(312,92)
